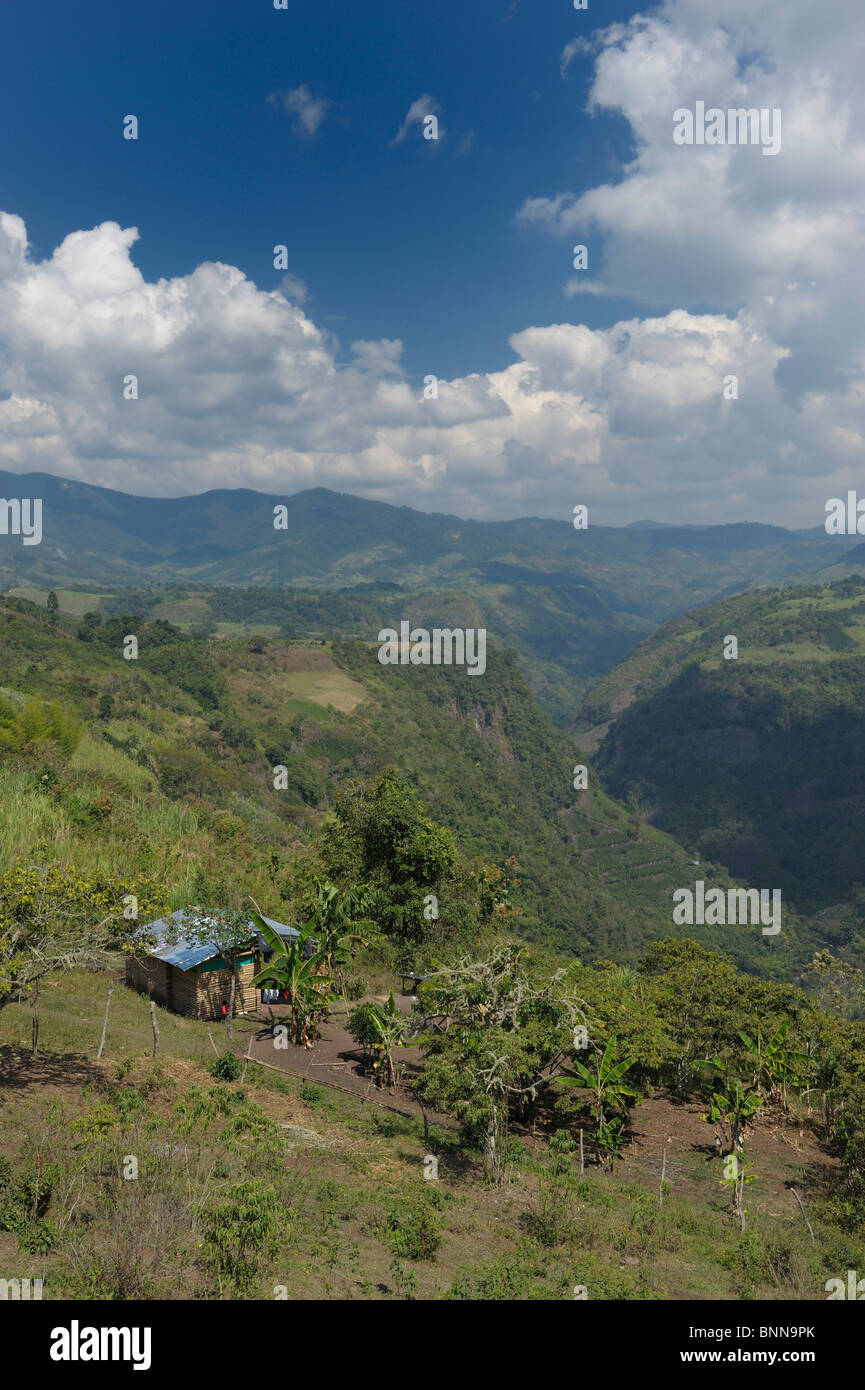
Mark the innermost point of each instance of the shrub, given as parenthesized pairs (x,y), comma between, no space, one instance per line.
(129,1101)
(551,1220)
(61,913)
(503,1280)
(227,1067)
(243,1232)
(37,1237)
(775,1258)
(413,1228)
(37,721)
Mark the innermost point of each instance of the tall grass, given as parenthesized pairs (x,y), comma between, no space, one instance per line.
(99,759)
(28,819)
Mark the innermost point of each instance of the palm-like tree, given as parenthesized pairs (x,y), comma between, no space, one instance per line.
(380,1028)
(609,1094)
(299,975)
(335,918)
(775,1065)
(605,1083)
(732,1106)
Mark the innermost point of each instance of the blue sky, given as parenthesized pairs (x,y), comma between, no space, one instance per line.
(709,365)
(414,242)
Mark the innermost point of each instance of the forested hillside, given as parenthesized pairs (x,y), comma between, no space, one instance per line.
(571,602)
(177,751)
(755,761)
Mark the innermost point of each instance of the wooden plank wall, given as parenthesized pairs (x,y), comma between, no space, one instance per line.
(193,993)
(203,993)
(151,975)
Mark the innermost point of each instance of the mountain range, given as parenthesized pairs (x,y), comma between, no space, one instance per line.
(607,647)
(571,603)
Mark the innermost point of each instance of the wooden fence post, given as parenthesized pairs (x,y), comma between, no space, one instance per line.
(228,1021)
(105,1024)
(425,1117)
(155,1028)
(802,1209)
(582,1165)
(663,1176)
(248,1055)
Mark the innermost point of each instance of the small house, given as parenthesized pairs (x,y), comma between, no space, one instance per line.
(187,974)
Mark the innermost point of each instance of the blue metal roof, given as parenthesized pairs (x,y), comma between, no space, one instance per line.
(176,949)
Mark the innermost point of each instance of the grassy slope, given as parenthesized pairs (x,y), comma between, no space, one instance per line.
(343,1165)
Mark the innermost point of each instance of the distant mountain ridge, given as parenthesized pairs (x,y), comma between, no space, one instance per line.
(572,603)
(110,535)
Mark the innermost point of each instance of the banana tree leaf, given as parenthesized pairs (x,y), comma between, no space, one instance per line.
(273,938)
(619,1069)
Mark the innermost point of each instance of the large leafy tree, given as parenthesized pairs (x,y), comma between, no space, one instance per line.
(838,986)
(383,836)
(703,1002)
(498,1029)
(383,840)
(56,918)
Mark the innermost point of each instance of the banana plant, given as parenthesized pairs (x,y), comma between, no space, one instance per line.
(307,990)
(336,918)
(737,1175)
(609,1094)
(380,1028)
(611,1139)
(775,1065)
(732,1105)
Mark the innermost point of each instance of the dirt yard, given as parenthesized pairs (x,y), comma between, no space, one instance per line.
(335,1059)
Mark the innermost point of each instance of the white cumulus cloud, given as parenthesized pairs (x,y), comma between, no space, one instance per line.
(742,266)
